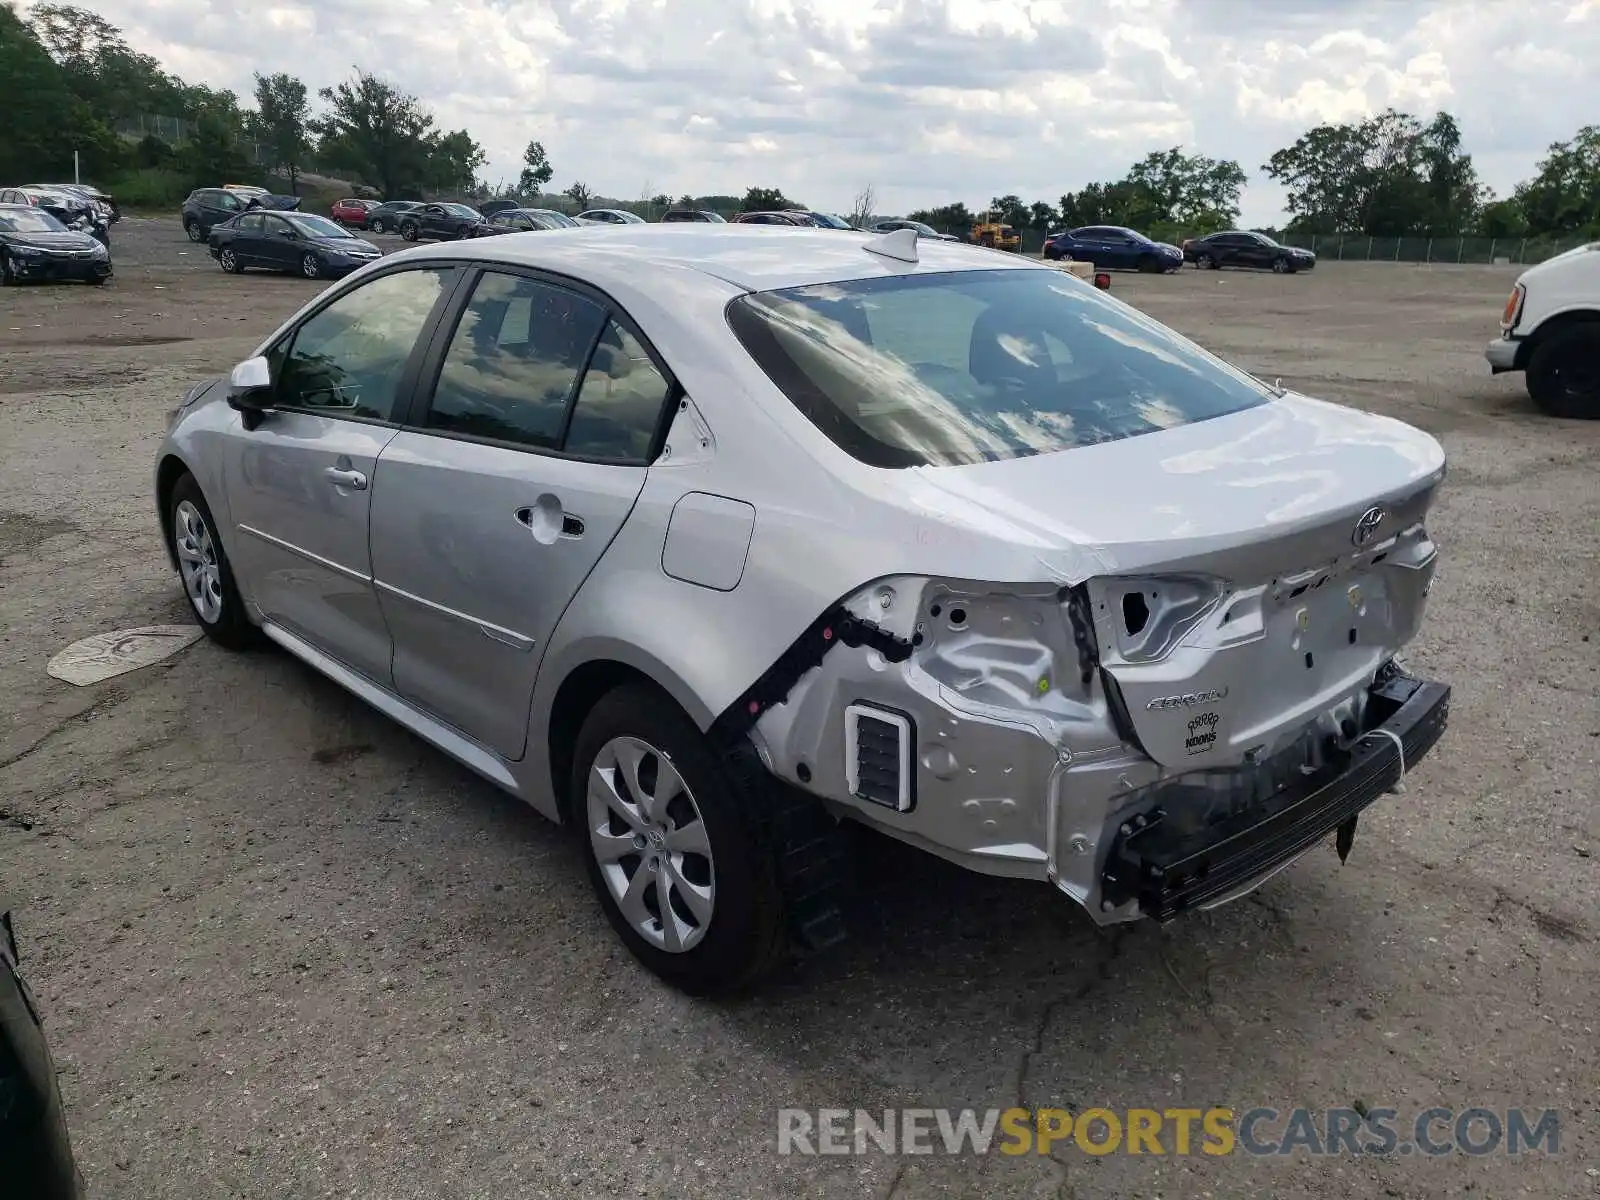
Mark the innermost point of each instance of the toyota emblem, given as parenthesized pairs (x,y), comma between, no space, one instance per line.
(1367,525)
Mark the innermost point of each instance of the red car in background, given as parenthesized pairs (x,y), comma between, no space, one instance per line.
(352,212)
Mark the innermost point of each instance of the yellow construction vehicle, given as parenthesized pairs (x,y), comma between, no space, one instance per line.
(990,230)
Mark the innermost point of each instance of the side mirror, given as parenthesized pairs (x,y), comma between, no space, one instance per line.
(250,389)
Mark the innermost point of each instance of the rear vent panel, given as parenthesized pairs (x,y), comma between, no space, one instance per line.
(878,756)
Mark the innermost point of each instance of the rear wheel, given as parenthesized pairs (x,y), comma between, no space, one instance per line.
(1205,262)
(1564,372)
(669,841)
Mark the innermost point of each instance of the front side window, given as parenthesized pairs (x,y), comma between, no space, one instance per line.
(348,358)
(514,361)
(972,366)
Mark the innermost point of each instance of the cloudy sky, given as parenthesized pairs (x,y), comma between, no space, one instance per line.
(929,101)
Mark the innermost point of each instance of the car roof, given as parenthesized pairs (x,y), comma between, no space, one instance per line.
(749,257)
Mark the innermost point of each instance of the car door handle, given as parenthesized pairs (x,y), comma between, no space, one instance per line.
(354,480)
(538,519)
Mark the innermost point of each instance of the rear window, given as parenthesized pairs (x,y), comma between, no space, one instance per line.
(962,367)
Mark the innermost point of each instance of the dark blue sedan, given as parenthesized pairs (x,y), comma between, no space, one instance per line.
(1108,246)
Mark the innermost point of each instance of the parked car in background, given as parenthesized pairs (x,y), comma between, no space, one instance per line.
(102,200)
(1551,331)
(301,243)
(489,207)
(1113,246)
(823,220)
(73,209)
(34,245)
(876,579)
(205,208)
(611,216)
(385,217)
(795,220)
(352,212)
(247,190)
(688,215)
(35,1147)
(522,220)
(440,222)
(1245,248)
(924,231)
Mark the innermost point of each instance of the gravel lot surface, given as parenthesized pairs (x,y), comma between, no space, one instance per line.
(287,950)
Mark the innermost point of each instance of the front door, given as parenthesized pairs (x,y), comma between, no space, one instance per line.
(299,485)
(280,245)
(481,535)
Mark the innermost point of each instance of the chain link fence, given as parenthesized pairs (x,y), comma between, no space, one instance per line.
(1361,248)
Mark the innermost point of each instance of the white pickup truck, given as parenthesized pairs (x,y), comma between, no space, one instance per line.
(1551,331)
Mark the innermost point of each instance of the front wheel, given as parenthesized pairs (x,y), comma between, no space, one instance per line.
(1282,266)
(229,262)
(192,228)
(668,841)
(311,266)
(203,564)
(409,232)
(1149,264)
(1564,372)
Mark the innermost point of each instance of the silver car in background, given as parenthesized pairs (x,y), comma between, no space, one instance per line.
(701,540)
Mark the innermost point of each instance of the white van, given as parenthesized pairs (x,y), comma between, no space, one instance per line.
(1551,331)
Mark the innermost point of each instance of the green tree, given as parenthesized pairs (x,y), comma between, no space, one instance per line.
(1503,219)
(580,195)
(1042,215)
(1177,188)
(452,161)
(759,199)
(36,95)
(377,130)
(102,70)
(661,200)
(536,169)
(947,218)
(214,153)
(1387,176)
(1563,197)
(281,122)
(1011,210)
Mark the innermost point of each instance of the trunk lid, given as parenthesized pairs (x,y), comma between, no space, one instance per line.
(1251,572)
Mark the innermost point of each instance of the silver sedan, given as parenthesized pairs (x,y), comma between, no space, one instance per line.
(705,540)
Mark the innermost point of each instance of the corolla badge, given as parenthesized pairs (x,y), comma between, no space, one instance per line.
(1367,525)
(1187,700)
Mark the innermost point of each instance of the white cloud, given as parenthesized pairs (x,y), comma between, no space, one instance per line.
(929,100)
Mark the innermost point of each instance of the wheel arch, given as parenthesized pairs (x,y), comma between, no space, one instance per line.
(169,470)
(1552,324)
(561,711)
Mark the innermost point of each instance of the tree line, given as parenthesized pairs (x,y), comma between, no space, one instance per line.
(71,80)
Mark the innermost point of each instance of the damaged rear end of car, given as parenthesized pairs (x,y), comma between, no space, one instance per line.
(1189,678)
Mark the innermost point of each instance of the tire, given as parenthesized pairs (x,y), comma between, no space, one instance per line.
(408,231)
(1282,266)
(213,596)
(311,266)
(1564,372)
(192,228)
(738,932)
(1149,264)
(376,226)
(1205,262)
(7,279)
(229,262)
(1052,254)
(97,280)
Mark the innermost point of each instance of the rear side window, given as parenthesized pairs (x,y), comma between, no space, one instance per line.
(621,401)
(972,366)
(514,361)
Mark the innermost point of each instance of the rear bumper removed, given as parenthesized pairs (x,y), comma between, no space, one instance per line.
(1167,868)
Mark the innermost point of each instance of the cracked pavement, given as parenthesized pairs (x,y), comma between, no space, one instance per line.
(286,950)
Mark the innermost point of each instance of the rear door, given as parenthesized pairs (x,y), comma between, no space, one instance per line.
(520,465)
(299,484)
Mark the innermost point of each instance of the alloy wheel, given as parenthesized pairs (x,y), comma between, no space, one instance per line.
(197,561)
(311,266)
(228,262)
(650,842)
